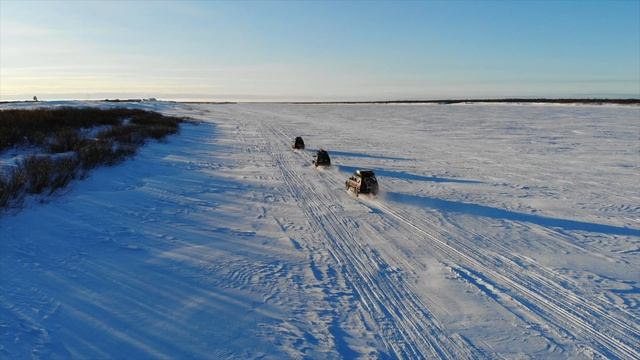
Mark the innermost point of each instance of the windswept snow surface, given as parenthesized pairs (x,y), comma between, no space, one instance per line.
(501,231)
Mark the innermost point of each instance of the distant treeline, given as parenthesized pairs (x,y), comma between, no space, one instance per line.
(469,101)
(208,102)
(106,100)
(122,100)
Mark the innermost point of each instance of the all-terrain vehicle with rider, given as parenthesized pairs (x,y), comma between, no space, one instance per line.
(322,158)
(362,182)
(298,143)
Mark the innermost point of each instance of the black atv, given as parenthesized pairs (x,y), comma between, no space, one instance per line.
(322,158)
(298,143)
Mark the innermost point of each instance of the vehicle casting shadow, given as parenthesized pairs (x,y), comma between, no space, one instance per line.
(361,155)
(495,213)
(409,176)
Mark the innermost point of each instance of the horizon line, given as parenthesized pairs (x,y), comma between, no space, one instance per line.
(559,100)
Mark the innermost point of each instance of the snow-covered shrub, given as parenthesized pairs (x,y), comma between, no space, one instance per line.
(70,141)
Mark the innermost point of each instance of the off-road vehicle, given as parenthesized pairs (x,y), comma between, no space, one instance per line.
(322,158)
(298,143)
(362,182)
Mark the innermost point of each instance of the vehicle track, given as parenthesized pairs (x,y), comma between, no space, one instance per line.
(552,302)
(534,288)
(408,329)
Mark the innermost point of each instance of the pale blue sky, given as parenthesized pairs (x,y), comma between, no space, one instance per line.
(319,50)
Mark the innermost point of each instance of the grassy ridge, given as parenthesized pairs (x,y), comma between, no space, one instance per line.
(70,142)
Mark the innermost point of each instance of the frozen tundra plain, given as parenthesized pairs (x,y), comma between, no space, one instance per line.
(501,231)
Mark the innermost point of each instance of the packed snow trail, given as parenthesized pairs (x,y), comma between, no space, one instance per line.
(526,285)
(541,296)
(535,293)
(408,329)
(501,231)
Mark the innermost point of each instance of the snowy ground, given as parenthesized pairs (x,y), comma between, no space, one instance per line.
(506,231)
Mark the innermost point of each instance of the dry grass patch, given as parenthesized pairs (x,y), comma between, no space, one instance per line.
(71,142)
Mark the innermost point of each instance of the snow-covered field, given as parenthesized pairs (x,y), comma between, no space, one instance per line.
(501,231)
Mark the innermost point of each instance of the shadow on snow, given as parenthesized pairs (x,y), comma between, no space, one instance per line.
(360,155)
(155,262)
(495,213)
(408,176)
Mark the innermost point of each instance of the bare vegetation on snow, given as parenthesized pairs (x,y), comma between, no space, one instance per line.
(70,142)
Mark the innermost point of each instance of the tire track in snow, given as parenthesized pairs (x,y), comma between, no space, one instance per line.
(551,303)
(408,329)
(536,291)
(557,305)
(546,275)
